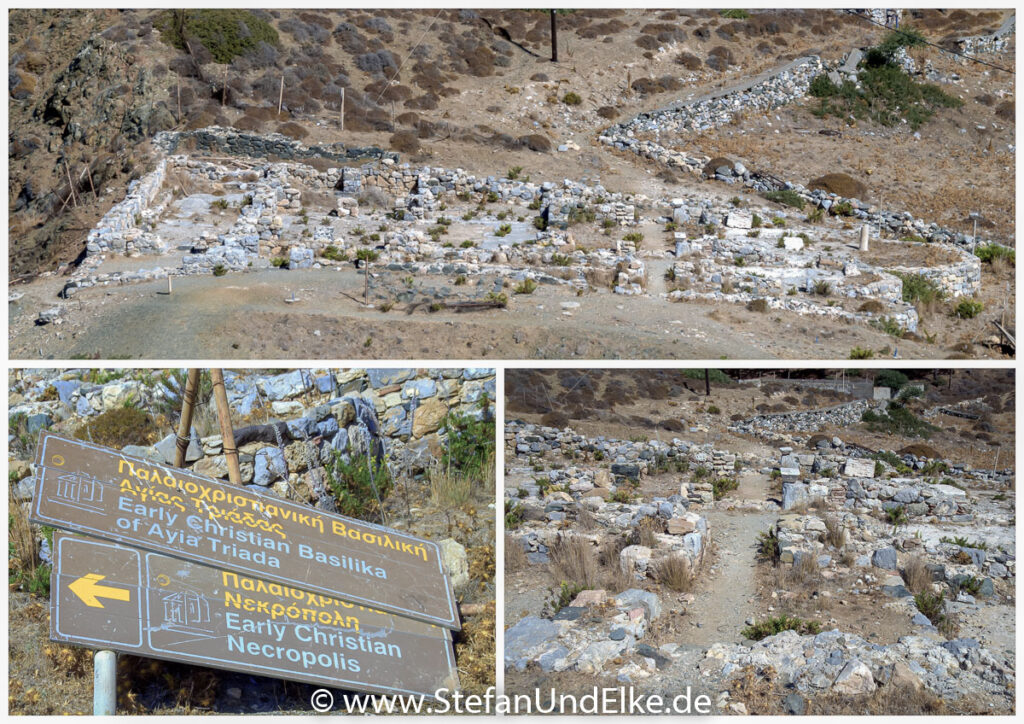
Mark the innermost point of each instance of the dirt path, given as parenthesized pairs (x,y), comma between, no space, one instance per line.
(723,607)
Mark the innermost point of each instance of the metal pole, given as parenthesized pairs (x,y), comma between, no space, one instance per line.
(341,113)
(226,431)
(104,683)
(187,402)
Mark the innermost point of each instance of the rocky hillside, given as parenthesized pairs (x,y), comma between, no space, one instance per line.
(89,89)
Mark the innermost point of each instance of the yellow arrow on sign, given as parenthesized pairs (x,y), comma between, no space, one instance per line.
(88,589)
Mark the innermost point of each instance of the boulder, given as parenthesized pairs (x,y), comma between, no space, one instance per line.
(885,558)
(453,557)
(854,679)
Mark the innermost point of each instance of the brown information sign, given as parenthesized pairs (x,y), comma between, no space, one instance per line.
(107,596)
(103,493)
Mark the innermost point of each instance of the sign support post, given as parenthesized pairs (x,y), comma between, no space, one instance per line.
(104,683)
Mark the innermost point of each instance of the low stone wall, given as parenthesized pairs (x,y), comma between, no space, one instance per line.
(232,142)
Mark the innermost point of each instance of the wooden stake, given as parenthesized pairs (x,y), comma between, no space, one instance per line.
(280,96)
(220,395)
(71,183)
(341,113)
(554,37)
(95,196)
(224,89)
(179,98)
(185,423)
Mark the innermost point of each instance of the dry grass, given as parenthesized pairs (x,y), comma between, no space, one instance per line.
(23,557)
(805,574)
(449,488)
(572,559)
(916,575)
(675,573)
(835,533)
(616,578)
(585,520)
(515,556)
(475,651)
(69,660)
(645,534)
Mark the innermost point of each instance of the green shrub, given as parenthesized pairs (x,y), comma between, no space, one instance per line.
(120,426)
(572,99)
(821,288)
(896,515)
(968,309)
(367,255)
(919,288)
(988,253)
(279,262)
(513,173)
(885,95)
(504,230)
(527,286)
(720,487)
(786,197)
(579,214)
(220,270)
(717,376)
(734,14)
(892,459)
(861,353)
(360,484)
(333,253)
(469,447)
(226,33)
(621,496)
(778,624)
(634,236)
(890,326)
(898,421)
(514,514)
(931,605)
(893,379)
(539,222)
(560,599)
(768,548)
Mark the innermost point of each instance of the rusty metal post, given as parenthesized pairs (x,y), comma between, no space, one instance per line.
(226,431)
(187,403)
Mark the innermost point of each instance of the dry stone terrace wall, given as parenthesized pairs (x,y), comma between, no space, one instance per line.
(394,413)
(273,145)
(788,84)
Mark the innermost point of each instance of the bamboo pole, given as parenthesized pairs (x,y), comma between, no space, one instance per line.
(220,395)
(185,423)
